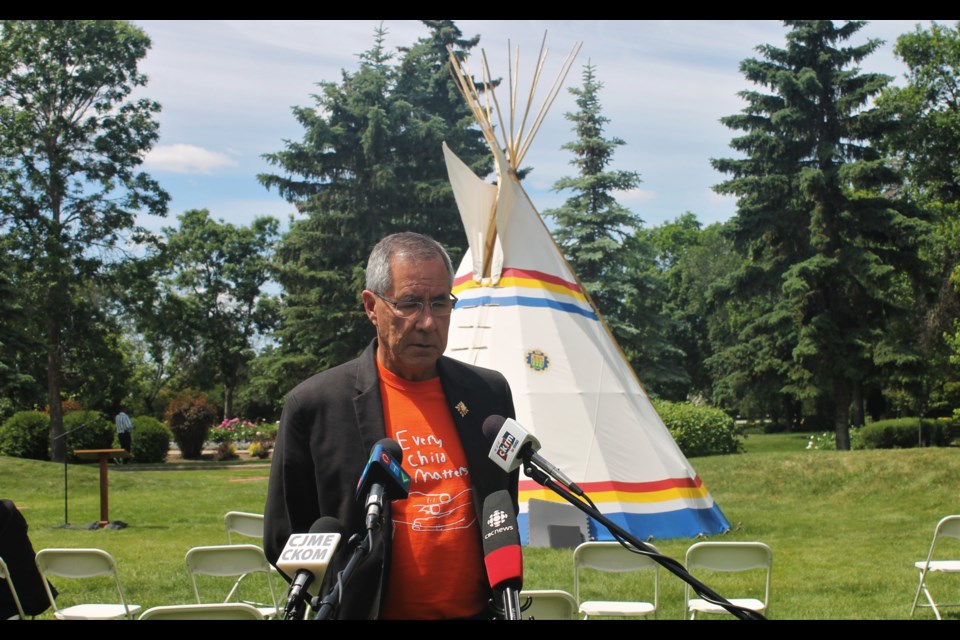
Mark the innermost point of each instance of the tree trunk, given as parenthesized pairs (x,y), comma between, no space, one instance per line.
(227,402)
(841,415)
(58,443)
(858,404)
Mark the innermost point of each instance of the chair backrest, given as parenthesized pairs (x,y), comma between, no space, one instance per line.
(243,523)
(548,604)
(947,527)
(230,560)
(731,556)
(78,563)
(212,611)
(5,576)
(612,557)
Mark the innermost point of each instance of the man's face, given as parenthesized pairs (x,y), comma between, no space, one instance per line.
(410,347)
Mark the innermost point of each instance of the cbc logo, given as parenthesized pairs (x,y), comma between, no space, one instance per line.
(496,519)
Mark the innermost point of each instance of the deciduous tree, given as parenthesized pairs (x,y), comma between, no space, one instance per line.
(71,141)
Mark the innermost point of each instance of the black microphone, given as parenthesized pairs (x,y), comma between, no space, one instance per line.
(511,445)
(383,479)
(307,556)
(502,553)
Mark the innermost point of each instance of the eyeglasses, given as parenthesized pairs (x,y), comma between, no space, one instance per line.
(413,308)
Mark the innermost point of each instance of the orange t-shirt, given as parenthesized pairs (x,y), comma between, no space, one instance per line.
(436,566)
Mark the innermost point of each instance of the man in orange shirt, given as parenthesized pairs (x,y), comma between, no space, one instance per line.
(428,562)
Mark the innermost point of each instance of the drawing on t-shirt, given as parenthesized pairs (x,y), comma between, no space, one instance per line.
(440,511)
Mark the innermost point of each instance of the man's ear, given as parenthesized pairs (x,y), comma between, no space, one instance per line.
(369,301)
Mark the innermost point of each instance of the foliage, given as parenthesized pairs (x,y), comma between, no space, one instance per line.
(150,440)
(71,141)
(596,235)
(700,430)
(904,433)
(369,164)
(26,434)
(189,419)
(225,451)
(688,261)
(260,449)
(831,258)
(87,430)
(924,143)
(215,275)
(237,430)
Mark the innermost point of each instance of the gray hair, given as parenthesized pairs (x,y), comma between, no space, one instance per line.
(409,245)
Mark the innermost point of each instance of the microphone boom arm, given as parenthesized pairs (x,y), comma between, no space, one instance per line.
(538,475)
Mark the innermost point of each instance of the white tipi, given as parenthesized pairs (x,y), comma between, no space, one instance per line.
(523,312)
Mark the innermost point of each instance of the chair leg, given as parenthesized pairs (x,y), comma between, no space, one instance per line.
(916,597)
(926,592)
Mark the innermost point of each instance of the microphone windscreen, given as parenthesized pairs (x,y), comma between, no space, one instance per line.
(312,551)
(500,531)
(510,442)
(491,427)
(383,468)
(392,447)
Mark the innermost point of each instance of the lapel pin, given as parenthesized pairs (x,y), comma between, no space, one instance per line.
(462,409)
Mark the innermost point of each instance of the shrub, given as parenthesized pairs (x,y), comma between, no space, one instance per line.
(226,431)
(88,430)
(26,434)
(906,433)
(150,440)
(189,419)
(700,431)
(260,449)
(225,451)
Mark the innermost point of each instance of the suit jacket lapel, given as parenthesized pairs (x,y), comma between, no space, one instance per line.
(367,402)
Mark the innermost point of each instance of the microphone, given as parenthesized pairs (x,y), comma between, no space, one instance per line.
(502,553)
(512,445)
(382,478)
(307,556)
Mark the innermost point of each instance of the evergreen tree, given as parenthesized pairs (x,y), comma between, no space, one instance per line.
(596,233)
(829,255)
(370,164)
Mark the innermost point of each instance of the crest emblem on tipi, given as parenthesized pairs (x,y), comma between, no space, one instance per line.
(523,312)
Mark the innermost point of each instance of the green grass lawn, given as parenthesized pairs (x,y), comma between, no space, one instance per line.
(845,527)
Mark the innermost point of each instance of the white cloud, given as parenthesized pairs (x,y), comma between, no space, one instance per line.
(186,158)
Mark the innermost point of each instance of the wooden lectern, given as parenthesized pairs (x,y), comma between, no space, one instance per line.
(104,456)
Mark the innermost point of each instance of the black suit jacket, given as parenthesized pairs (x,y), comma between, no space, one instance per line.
(329,425)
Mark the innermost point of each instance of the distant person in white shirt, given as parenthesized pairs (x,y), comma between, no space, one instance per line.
(124,427)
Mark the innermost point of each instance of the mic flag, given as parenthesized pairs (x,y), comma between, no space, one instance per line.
(383,469)
(307,555)
(512,445)
(509,440)
(502,553)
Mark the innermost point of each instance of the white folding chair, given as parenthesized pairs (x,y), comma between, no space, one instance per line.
(948,527)
(5,576)
(548,604)
(232,561)
(243,523)
(612,557)
(211,611)
(84,563)
(728,557)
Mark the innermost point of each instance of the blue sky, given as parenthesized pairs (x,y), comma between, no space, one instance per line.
(227,88)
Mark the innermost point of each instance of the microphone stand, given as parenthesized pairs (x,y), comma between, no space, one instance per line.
(622,535)
(66,521)
(511,604)
(328,604)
